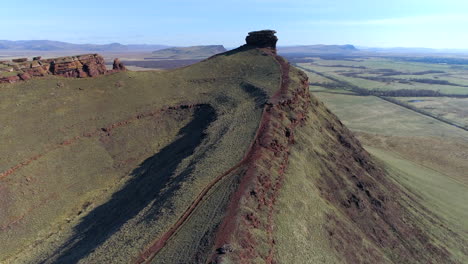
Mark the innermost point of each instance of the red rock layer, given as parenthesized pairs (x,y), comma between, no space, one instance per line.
(82,66)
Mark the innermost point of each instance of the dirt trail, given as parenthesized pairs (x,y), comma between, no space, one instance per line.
(157,245)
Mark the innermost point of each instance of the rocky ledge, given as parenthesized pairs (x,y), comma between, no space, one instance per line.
(81,66)
(262,39)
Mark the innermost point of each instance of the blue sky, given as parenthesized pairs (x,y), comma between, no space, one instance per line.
(390,23)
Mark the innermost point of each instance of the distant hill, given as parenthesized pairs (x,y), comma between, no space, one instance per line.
(318,49)
(414,50)
(193,52)
(49,45)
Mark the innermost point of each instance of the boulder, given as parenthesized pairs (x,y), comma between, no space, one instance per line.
(10,79)
(25,76)
(226,248)
(118,65)
(20,60)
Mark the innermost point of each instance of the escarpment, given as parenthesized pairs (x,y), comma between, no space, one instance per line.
(230,160)
(81,66)
(370,221)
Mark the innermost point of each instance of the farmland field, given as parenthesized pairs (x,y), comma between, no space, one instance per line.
(387,74)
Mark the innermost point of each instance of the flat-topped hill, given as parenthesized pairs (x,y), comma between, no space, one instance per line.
(229,160)
(193,52)
(318,50)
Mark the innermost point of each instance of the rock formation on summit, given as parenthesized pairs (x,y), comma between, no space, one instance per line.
(262,39)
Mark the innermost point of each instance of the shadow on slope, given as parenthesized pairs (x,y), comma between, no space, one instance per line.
(153,180)
(260,96)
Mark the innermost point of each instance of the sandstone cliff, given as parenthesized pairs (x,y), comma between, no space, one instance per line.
(81,66)
(262,39)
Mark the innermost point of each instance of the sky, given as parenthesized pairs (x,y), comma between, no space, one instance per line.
(370,23)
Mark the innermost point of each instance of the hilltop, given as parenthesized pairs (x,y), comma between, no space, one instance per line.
(229,160)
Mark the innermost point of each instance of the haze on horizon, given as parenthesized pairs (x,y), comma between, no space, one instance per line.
(398,23)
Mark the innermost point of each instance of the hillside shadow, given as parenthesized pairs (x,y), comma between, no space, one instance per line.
(153,180)
(260,96)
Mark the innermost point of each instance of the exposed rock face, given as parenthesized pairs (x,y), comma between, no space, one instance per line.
(80,66)
(89,65)
(118,65)
(262,39)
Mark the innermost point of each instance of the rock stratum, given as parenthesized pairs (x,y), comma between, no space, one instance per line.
(81,66)
(230,160)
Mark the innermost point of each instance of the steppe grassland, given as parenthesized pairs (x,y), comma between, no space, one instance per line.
(54,118)
(351,71)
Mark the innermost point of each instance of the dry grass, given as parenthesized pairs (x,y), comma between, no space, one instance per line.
(454,109)
(315,225)
(73,169)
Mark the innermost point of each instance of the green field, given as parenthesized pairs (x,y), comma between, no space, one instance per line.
(455,109)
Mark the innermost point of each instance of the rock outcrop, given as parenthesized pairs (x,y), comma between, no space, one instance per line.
(81,66)
(118,65)
(20,60)
(262,39)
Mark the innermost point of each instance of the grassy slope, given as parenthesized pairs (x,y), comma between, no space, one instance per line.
(438,191)
(426,158)
(315,224)
(58,109)
(444,197)
(336,205)
(419,138)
